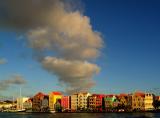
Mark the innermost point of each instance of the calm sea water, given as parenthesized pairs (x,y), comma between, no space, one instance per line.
(80,115)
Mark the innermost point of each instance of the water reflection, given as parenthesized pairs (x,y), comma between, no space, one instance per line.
(80,115)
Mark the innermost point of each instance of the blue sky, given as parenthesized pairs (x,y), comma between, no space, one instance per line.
(129,59)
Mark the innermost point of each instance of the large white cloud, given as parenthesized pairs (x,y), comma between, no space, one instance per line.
(56,27)
(75,74)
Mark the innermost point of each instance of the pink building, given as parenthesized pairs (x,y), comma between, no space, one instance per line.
(66,102)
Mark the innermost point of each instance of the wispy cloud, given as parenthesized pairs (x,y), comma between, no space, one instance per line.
(3,61)
(13,80)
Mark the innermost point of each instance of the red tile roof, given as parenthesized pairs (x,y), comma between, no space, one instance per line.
(40,94)
(56,93)
(123,95)
(138,93)
(98,95)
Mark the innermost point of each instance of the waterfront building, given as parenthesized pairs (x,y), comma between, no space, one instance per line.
(148,101)
(79,101)
(123,99)
(83,100)
(6,105)
(96,102)
(37,102)
(45,103)
(57,105)
(53,97)
(125,102)
(74,102)
(28,104)
(111,102)
(20,102)
(138,101)
(66,102)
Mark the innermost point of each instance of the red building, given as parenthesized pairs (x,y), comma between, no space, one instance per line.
(96,102)
(66,102)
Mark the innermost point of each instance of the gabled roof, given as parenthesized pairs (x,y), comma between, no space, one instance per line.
(40,94)
(98,95)
(138,93)
(123,95)
(56,93)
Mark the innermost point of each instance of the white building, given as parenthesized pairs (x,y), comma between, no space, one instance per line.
(20,102)
(148,101)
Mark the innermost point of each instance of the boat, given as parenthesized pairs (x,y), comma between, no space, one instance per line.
(52,111)
(21,109)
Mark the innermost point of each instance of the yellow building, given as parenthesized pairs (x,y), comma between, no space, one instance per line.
(79,101)
(138,101)
(53,97)
(83,100)
(148,101)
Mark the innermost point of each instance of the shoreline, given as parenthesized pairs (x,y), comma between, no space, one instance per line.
(85,112)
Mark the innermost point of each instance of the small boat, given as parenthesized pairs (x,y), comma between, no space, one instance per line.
(52,111)
(21,110)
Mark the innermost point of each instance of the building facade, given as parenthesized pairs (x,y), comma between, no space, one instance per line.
(28,104)
(111,102)
(66,102)
(37,102)
(148,101)
(83,100)
(20,102)
(138,101)
(53,97)
(96,102)
(45,104)
(74,102)
(79,101)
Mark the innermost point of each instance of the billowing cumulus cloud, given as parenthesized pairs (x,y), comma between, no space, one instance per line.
(3,61)
(14,80)
(56,27)
(74,74)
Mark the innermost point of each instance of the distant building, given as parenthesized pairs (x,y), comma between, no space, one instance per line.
(66,102)
(79,101)
(6,105)
(111,102)
(45,103)
(96,102)
(57,105)
(20,102)
(138,101)
(83,100)
(28,104)
(148,101)
(123,99)
(74,101)
(53,97)
(37,102)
